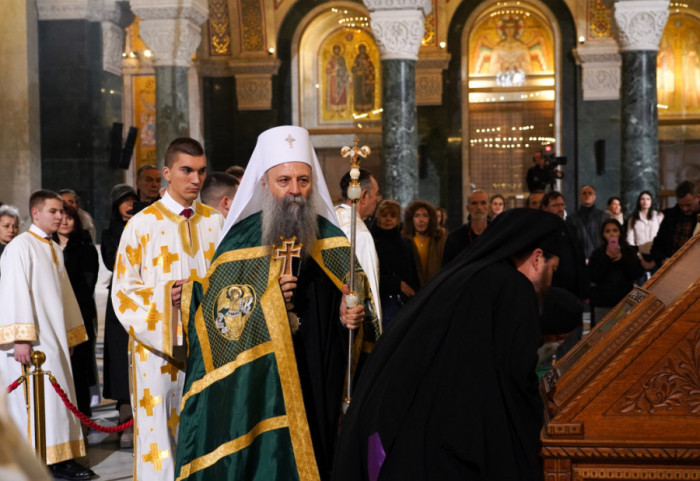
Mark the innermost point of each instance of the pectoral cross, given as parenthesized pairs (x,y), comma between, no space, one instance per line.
(286,253)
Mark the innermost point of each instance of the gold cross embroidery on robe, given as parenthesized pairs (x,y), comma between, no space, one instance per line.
(173,421)
(170,368)
(290,250)
(209,253)
(194,276)
(145,294)
(121,268)
(148,402)
(152,209)
(141,350)
(134,254)
(126,303)
(165,259)
(153,317)
(155,456)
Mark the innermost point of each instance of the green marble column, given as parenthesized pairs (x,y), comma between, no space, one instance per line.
(399,129)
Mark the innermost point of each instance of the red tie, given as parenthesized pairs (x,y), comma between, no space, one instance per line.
(187,213)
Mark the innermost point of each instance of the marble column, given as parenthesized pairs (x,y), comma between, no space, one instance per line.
(20,157)
(398,32)
(173,35)
(640,25)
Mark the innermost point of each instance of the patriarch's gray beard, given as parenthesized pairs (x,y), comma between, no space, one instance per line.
(292,215)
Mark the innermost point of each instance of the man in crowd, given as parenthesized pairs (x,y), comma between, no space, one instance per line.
(464,236)
(218,191)
(148,180)
(588,220)
(538,177)
(366,205)
(450,392)
(39,310)
(535,199)
(162,247)
(267,331)
(237,171)
(679,223)
(571,274)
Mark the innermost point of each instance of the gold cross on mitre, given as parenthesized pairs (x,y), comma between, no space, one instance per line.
(290,140)
(290,249)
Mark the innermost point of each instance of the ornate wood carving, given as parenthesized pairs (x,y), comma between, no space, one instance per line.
(646,473)
(621,452)
(675,388)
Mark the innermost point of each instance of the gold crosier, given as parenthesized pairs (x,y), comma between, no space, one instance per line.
(354,153)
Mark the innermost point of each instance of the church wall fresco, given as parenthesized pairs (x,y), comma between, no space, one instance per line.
(219,28)
(252,26)
(599,20)
(144,102)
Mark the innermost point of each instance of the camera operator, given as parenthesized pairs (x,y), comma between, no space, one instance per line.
(544,173)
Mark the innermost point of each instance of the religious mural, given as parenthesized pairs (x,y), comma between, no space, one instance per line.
(678,66)
(509,44)
(349,72)
(145,119)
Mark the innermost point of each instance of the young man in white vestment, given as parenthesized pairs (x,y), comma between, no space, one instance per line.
(39,312)
(162,247)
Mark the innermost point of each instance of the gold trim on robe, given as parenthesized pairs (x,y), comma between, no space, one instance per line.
(18,332)
(76,336)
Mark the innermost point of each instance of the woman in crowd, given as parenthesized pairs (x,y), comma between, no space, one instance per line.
(398,279)
(642,227)
(82,266)
(9,225)
(497,205)
(613,268)
(116,360)
(428,240)
(614,209)
(441,213)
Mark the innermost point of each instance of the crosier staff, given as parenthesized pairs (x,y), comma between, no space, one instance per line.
(354,193)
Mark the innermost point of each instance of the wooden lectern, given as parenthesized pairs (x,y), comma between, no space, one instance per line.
(624,403)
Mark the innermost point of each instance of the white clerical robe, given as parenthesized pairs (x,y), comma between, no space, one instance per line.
(157,248)
(37,304)
(364,251)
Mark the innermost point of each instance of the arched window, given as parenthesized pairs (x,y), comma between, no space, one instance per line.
(509,100)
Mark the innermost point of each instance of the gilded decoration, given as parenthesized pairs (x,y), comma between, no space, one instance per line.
(144,98)
(430,36)
(252,25)
(599,20)
(350,76)
(219,28)
(678,67)
(511,41)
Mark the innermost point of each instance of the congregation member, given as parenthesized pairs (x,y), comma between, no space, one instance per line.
(237,171)
(464,236)
(398,278)
(116,340)
(218,191)
(39,311)
(427,239)
(162,247)
(82,265)
(280,382)
(613,268)
(497,204)
(679,223)
(148,179)
(365,250)
(70,197)
(588,220)
(534,199)
(614,209)
(538,176)
(642,227)
(441,218)
(9,225)
(572,274)
(450,391)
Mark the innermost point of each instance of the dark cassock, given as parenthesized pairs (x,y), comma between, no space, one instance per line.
(262,397)
(450,392)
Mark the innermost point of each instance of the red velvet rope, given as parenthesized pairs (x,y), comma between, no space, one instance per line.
(83,418)
(14,385)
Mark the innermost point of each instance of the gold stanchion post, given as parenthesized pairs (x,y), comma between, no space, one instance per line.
(38,359)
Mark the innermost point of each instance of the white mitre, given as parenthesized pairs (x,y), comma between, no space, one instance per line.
(276,146)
